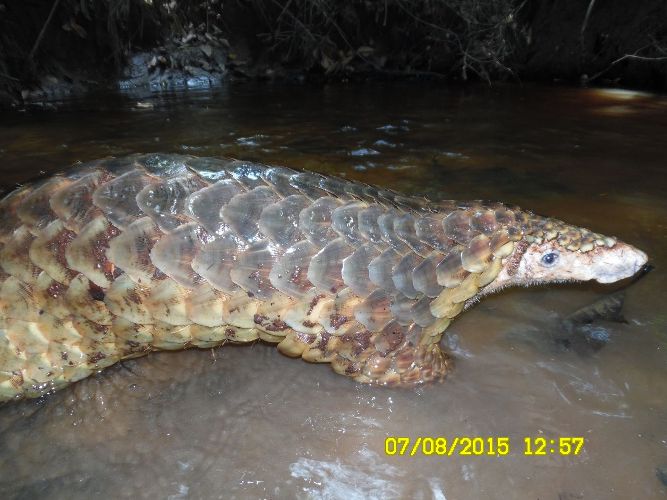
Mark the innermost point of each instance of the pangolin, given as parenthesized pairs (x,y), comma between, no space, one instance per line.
(123,256)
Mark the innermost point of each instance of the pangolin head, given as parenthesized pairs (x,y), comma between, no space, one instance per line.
(553,251)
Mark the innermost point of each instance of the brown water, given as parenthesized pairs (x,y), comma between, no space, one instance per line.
(247,422)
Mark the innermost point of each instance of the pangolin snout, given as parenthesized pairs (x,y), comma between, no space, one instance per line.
(619,262)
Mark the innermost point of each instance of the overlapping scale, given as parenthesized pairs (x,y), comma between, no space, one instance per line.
(387,197)
(269,318)
(418,205)
(168,302)
(386,224)
(484,221)
(209,169)
(215,260)
(131,250)
(117,198)
(401,308)
(450,272)
(73,203)
(500,244)
(279,180)
(491,271)
(477,254)
(344,221)
(164,201)
(9,220)
(504,216)
(325,270)
(421,312)
(457,226)
(128,300)
(87,252)
(368,223)
(453,296)
(13,256)
(205,306)
(84,300)
(430,230)
(424,277)
(47,251)
(315,220)
(52,295)
(247,173)
(174,252)
(243,212)
(404,228)
(389,338)
(290,272)
(338,315)
(306,315)
(381,267)
(251,271)
(361,192)
(35,208)
(239,310)
(280,221)
(165,166)
(355,269)
(335,186)
(402,274)
(118,166)
(375,310)
(308,184)
(18,300)
(205,205)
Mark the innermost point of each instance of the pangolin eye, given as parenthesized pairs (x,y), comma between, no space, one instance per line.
(549,259)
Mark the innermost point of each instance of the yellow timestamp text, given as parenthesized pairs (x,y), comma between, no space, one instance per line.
(478,446)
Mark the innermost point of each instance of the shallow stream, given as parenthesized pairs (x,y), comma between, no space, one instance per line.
(240,422)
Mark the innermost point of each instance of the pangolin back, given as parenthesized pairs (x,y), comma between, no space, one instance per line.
(120,257)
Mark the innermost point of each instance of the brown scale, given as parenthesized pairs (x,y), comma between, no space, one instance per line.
(14,258)
(290,272)
(48,251)
(87,252)
(73,202)
(126,256)
(34,209)
(131,250)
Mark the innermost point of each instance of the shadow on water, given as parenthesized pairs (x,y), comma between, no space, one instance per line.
(239,422)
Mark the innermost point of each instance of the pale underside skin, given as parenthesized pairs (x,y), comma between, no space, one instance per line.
(121,257)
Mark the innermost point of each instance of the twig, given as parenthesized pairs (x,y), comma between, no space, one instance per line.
(623,58)
(422,21)
(582,31)
(287,4)
(9,77)
(588,15)
(41,33)
(294,18)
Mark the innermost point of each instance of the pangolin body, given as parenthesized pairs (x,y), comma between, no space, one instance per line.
(120,257)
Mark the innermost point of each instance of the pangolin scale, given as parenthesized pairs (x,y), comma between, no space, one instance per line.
(123,256)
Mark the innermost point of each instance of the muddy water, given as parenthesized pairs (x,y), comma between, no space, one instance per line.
(247,422)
